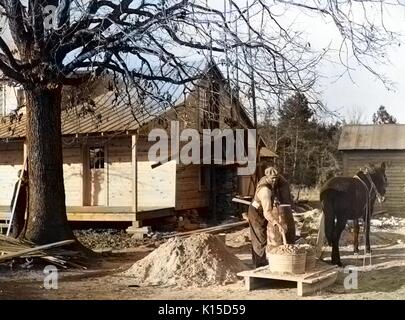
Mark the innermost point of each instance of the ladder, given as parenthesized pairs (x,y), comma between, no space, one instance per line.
(5,226)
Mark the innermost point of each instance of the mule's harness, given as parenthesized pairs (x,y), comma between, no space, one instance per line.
(366,207)
(372,187)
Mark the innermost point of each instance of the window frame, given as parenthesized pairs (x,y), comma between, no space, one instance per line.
(93,160)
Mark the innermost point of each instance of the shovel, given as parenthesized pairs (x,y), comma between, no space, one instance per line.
(282,234)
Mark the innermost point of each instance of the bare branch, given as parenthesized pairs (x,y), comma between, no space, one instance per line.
(9,72)
(10,58)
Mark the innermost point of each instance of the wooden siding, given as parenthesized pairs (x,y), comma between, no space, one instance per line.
(395,160)
(156,187)
(11,160)
(11,100)
(120,191)
(189,194)
(73,175)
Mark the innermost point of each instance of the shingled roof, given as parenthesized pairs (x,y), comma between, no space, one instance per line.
(111,111)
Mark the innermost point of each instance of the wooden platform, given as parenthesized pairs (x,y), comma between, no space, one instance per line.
(321,277)
(109,214)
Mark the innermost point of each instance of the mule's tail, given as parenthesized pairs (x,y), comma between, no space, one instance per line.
(329,213)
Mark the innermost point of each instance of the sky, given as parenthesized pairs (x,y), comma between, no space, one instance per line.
(361,90)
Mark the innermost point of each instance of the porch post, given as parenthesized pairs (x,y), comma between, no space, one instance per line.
(135,223)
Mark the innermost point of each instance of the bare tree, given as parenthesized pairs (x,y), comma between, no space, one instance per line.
(147,41)
(355,115)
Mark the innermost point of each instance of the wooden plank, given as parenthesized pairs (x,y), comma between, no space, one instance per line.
(252,283)
(134,176)
(317,272)
(258,273)
(36,249)
(309,288)
(80,216)
(100,209)
(210,230)
(154,214)
(241,201)
(108,213)
(265,273)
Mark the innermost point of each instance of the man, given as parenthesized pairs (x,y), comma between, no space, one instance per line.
(17,224)
(272,190)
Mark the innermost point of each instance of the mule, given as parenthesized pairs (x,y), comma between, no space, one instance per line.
(345,198)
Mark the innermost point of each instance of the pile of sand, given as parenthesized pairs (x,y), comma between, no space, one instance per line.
(200,260)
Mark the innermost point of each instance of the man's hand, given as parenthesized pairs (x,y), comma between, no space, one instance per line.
(282,227)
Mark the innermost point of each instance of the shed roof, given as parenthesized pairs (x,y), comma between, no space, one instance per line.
(373,137)
(266,152)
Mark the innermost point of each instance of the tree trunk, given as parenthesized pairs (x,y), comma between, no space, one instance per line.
(47,221)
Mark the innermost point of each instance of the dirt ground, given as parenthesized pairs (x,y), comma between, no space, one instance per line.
(384,279)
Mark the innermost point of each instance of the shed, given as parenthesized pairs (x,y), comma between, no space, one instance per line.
(374,144)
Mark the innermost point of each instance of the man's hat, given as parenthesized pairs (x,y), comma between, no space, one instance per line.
(271,172)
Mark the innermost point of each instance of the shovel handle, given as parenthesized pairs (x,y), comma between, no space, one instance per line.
(284,238)
(282,234)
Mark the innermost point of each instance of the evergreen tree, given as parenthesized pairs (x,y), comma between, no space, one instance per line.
(383,117)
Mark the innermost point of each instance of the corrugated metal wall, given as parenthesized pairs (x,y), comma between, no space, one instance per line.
(395,160)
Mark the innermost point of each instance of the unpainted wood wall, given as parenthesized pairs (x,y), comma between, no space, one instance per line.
(11,160)
(395,160)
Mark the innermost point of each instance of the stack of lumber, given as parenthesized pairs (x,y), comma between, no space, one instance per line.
(11,249)
(215,229)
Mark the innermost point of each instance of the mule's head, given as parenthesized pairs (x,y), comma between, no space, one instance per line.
(380,181)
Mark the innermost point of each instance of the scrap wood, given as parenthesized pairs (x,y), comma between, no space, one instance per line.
(239,200)
(209,230)
(9,239)
(61,263)
(24,252)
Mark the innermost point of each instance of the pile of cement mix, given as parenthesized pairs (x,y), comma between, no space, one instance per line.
(197,261)
(287,249)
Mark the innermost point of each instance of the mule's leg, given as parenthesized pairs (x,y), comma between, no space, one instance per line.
(356,231)
(339,227)
(329,215)
(367,228)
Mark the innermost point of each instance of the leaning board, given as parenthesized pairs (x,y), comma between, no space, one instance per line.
(307,283)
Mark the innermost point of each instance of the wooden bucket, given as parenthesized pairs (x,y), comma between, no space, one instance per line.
(287,263)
